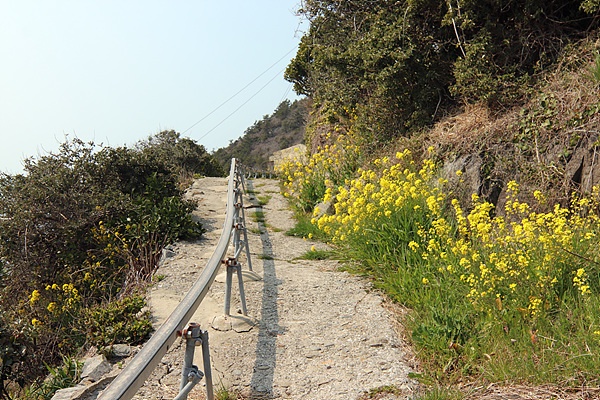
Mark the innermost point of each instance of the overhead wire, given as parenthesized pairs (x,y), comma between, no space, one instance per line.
(286,93)
(242,105)
(238,92)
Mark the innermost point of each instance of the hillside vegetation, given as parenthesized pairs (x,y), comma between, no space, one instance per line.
(81,234)
(453,158)
(284,128)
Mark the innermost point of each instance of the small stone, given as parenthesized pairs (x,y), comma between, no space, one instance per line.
(120,350)
(69,393)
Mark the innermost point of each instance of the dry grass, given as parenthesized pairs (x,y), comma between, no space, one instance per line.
(464,130)
(539,143)
(570,86)
(521,392)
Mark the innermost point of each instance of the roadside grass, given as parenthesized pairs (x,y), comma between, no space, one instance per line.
(264,200)
(316,254)
(442,394)
(304,228)
(497,297)
(258,216)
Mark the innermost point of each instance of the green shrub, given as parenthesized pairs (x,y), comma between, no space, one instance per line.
(183,156)
(64,376)
(122,321)
(80,231)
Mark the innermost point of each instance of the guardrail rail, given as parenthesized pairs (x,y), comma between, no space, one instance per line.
(133,376)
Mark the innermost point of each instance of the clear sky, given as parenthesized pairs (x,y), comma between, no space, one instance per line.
(118,71)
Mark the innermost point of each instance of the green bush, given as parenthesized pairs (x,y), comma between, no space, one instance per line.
(122,321)
(80,231)
(400,65)
(183,156)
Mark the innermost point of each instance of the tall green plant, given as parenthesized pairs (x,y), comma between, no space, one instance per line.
(81,230)
(399,65)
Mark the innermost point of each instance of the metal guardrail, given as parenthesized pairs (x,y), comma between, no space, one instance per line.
(133,376)
(252,173)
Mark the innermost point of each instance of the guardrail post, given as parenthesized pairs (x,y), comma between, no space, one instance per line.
(240,225)
(191,375)
(233,265)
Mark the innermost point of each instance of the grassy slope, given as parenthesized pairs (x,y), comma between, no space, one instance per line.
(547,144)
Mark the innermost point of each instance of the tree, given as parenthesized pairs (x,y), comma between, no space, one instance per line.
(393,66)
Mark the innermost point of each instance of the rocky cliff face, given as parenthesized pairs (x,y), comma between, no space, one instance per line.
(555,169)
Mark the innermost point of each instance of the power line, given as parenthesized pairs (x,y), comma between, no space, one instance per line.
(285,94)
(242,105)
(238,92)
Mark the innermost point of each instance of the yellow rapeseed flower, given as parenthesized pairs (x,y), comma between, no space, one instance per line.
(34,297)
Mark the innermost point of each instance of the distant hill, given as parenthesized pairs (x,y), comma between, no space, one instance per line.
(282,129)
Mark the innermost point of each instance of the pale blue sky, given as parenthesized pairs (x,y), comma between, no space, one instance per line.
(117,71)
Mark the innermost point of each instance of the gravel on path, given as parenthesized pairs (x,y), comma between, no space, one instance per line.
(319,333)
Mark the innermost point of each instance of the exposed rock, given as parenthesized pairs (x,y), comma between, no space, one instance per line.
(85,390)
(324,208)
(94,368)
(294,153)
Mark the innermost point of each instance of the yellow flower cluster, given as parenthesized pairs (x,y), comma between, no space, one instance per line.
(55,302)
(311,181)
(513,260)
(524,261)
(370,200)
(34,297)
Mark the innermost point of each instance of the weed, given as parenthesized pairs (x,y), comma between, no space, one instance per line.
(380,392)
(64,376)
(264,200)
(315,254)
(222,393)
(258,216)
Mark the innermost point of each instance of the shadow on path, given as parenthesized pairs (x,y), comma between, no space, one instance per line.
(264,366)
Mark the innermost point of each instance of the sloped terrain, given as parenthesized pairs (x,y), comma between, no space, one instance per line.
(282,129)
